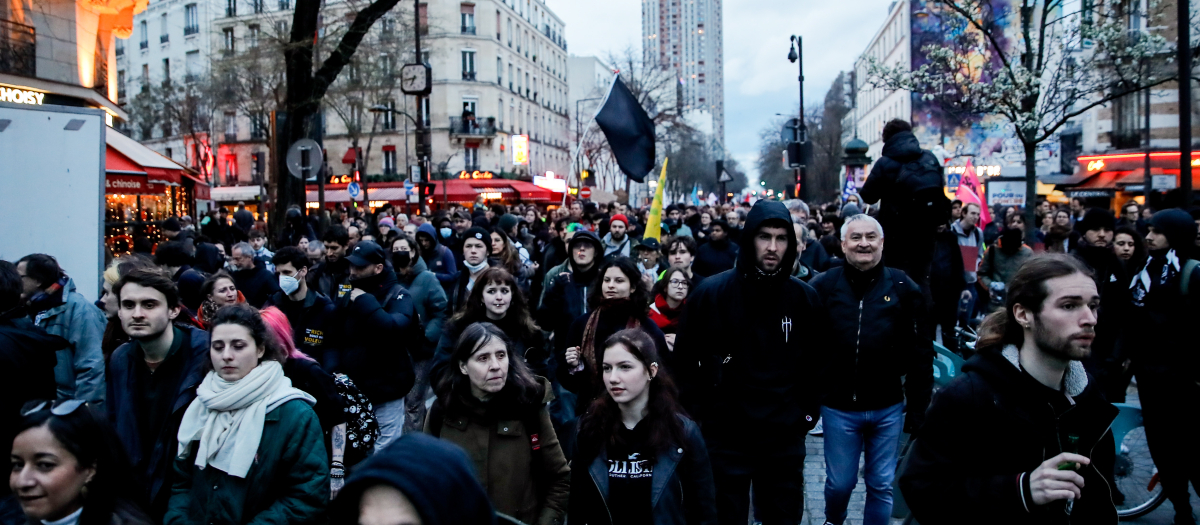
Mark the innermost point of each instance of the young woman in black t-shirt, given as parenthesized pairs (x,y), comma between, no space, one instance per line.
(641,460)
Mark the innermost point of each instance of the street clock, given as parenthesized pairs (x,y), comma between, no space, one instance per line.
(415,79)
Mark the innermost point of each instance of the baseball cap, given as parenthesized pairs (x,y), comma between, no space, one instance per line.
(366,253)
(649,243)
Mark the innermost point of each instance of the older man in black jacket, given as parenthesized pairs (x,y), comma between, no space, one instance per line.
(1021,436)
(379,326)
(872,318)
(745,356)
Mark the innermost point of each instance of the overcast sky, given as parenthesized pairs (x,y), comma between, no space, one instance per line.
(759,80)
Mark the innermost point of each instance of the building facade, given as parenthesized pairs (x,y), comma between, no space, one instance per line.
(686,37)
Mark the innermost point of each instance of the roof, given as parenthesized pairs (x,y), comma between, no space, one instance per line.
(138,153)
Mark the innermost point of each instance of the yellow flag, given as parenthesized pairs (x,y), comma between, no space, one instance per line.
(654,224)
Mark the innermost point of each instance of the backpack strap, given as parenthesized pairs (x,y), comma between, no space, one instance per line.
(1189,268)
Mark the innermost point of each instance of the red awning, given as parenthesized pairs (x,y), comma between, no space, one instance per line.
(389,147)
(125,155)
(349,157)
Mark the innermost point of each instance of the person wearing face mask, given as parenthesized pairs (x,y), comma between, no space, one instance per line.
(1000,263)
(438,258)
(68,468)
(219,290)
(492,405)
(430,300)
(641,459)
(618,300)
(477,246)
(309,312)
(250,446)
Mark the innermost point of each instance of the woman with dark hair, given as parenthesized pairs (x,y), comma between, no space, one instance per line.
(69,468)
(494,408)
(504,255)
(219,290)
(249,435)
(497,299)
(669,297)
(618,300)
(635,439)
(1130,247)
(1061,238)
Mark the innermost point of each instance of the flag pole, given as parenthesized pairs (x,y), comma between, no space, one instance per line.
(588,130)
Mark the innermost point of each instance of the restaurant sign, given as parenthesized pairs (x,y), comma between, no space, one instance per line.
(126,184)
(21,96)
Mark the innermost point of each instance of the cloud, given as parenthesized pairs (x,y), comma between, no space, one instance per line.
(759,80)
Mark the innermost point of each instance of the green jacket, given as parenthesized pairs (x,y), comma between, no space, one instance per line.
(288,484)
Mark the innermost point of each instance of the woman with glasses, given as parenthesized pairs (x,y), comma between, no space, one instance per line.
(219,291)
(250,445)
(68,468)
(670,294)
(492,406)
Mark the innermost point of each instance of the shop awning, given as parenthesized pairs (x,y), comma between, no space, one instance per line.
(236,193)
(132,156)
(456,190)
(349,157)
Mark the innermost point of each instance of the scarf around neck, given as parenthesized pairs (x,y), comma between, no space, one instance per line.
(587,350)
(1143,281)
(227,417)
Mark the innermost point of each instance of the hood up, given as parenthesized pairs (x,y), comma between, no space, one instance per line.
(903,147)
(766,213)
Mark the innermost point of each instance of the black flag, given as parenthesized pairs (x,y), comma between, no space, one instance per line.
(629,131)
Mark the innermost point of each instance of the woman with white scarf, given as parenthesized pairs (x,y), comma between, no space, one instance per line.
(250,445)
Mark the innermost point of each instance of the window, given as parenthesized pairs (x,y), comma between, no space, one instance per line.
(145,77)
(258,125)
(281,28)
(387,26)
(120,49)
(468,65)
(253,37)
(230,126)
(163,34)
(259,6)
(470,104)
(467,17)
(389,161)
(230,7)
(387,65)
(471,157)
(191,19)
(497,25)
(356,112)
(120,84)
(192,64)
(285,5)
(500,114)
(499,71)
(229,41)
(510,77)
(144,34)
(166,128)
(509,32)
(389,117)
(166,72)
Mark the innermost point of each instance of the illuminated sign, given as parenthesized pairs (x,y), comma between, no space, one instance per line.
(378,204)
(491,195)
(476,175)
(520,148)
(312,205)
(341,179)
(1095,165)
(21,96)
(552,184)
(990,171)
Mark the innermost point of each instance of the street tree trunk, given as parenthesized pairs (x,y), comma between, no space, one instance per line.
(1031,226)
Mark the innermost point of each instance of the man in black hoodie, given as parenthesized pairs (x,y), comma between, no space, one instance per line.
(1021,436)
(718,254)
(872,318)
(565,299)
(1095,249)
(379,324)
(745,357)
(1160,340)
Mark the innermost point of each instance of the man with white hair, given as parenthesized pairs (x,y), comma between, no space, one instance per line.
(873,342)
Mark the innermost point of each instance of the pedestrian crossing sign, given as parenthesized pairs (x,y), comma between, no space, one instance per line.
(953,180)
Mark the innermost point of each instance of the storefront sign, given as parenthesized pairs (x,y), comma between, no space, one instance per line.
(1006,193)
(520,149)
(476,175)
(1162,182)
(341,179)
(21,96)
(203,192)
(126,185)
(1083,194)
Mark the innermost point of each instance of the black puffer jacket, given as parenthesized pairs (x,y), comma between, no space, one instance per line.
(747,346)
(27,353)
(873,341)
(988,430)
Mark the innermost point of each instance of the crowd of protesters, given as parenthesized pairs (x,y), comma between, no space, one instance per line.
(545,367)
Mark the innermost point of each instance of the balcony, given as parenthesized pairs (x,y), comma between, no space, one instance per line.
(162,39)
(230,11)
(1122,139)
(468,75)
(473,127)
(18,49)
(468,30)
(144,44)
(191,30)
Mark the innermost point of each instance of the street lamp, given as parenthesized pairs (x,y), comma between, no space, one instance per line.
(796,55)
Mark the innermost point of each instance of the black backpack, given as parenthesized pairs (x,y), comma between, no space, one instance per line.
(922,180)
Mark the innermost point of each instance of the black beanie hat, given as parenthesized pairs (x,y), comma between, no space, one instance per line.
(1096,219)
(476,232)
(1178,226)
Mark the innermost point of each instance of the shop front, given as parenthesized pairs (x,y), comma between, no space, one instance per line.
(1111,180)
(464,190)
(142,189)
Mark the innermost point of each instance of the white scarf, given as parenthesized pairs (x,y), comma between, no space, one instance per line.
(1140,286)
(227,417)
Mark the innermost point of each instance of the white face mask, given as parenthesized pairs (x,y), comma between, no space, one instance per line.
(288,284)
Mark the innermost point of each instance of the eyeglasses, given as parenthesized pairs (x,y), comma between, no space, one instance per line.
(678,283)
(58,408)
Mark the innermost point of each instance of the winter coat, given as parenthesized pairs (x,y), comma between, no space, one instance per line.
(377,335)
(430,301)
(681,487)
(614,249)
(434,475)
(153,471)
(586,382)
(311,321)
(330,278)
(946,279)
(970,247)
(815,256)
(714,257)
(288,483)
(1000,266)
(257,284)
(531,347)
(1113,284)
(873,342)
(747,347)
(988,430)
(27,355)
(80,369)
(908,238)
(517,456)
(567,298)
(441,262)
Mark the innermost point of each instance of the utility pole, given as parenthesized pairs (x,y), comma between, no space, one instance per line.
(1184,44)
(796,55)
(422,132)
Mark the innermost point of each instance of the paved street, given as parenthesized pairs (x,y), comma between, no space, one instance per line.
(814,497)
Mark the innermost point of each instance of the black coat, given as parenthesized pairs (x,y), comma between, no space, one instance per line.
(190,282)
(376,332)
(256,284)
(946,278)
(991,427)
(566,299)
(122,404)
(872,342)
(309,377)
(746,350)
(312,323)
(714,257)
(681,487)
(908,238)
(1113,284)
(330,278)
(27,355)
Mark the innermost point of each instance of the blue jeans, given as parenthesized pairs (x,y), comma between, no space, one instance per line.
(847,435)
(390,416)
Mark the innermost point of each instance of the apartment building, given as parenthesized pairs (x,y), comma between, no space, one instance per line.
(687,38)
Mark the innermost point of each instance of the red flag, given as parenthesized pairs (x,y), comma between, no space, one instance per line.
(969,190)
